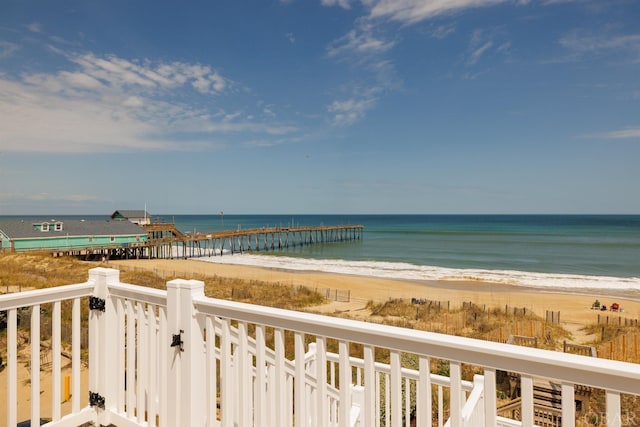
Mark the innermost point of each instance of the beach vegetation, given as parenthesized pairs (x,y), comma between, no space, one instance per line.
(471,321)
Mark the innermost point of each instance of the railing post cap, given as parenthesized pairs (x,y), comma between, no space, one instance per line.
(104,275)
(185,284)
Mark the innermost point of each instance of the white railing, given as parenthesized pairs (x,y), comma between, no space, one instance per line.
(177,358)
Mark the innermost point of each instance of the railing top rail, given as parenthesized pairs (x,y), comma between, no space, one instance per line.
(139,293)
(600,373)
(46,295)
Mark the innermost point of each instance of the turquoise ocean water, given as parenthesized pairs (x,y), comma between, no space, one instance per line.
(561,251)
(546,251)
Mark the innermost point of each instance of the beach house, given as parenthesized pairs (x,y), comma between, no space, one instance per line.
(68,235)
(139,217)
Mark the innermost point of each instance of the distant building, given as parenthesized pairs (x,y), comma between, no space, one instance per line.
(68,235)
(140,217)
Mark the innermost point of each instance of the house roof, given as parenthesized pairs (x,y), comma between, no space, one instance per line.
(131,214)
(16,228)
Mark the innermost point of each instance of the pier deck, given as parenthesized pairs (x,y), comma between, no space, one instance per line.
(166,241)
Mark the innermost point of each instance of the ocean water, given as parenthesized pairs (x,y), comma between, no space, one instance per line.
(544,251)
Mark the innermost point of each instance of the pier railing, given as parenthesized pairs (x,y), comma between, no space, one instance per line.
(177,358)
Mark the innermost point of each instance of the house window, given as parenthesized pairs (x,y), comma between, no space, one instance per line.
(58,226)
(90,238)
(44,226)
(112,239)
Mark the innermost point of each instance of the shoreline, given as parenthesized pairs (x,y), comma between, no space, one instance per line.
(574,304)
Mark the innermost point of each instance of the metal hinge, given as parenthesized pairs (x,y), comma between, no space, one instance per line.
(177,340)
(96,400)
(96,303)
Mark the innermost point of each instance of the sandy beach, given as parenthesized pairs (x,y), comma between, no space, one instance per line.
(574,307)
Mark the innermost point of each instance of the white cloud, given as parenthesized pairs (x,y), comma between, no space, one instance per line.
(443,31)
(348,111)
(413,11)
(626,133)
(478,52)
(485,42)
(345,4)
(7,49)
(582,43)
(35,27)
(109,103)
(360,41)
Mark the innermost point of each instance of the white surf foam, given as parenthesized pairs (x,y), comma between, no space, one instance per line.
(398,270)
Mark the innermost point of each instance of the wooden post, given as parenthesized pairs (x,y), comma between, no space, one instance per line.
(67,387)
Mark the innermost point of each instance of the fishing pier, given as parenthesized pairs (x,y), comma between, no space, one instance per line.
(166,241)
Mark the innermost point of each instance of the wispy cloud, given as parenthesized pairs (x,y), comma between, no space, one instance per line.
(7,49)
(367,44)
(35,27)
(626,133)
(581,44)
(108,103)
(443,31)
(363,49)
(413,11)
(360,41)
(345,4)
(483,42)
(350,110)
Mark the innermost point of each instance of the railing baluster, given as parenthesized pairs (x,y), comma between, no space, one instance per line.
(35,365)
(152,366)
(75,355)
(226,400)
(12,367)
(322,415)
(56,370)
(261,398)
(281,380)
(378,397)
(396,390)
(141,362)
(614,415)
(300,381)
(526,389)
(163,366)
(490,405)
(455,394)
(121,354)
(332,374)
(568,405)
(344,407)
(211,372)
(387,399)
(368,413)
(243,378)
(423,399)
(407,402)
(131,359)
(440,407)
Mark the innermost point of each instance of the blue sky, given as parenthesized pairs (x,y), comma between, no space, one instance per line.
(320,106)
